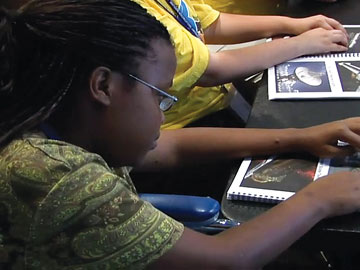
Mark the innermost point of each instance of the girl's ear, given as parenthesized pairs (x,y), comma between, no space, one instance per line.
(100,81)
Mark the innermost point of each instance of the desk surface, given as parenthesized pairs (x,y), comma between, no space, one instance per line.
(282,114)
(345,11)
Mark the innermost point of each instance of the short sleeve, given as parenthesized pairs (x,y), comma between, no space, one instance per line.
(206,14)
(92,219)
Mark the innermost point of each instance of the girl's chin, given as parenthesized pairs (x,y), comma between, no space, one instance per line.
(142,156)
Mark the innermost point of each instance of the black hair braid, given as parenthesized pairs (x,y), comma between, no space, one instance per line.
(51,46)
(125,27)
(7,53)
(27,74)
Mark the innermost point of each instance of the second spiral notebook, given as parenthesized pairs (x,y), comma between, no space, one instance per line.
(276,178)
(333,75)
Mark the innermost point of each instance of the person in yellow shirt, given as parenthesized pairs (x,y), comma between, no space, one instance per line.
(200,75)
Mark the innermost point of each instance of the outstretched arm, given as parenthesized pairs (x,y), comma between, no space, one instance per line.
(186,146)
(234,28)
(255,243)
(227,66)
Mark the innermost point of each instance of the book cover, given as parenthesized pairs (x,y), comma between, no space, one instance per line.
(335,75)
(277,178)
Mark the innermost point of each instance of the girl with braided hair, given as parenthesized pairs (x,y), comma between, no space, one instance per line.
(81,93)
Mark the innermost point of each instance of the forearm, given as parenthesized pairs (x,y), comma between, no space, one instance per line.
(252,244)
(202,145)
(231,28)
(227,66)
(265,237)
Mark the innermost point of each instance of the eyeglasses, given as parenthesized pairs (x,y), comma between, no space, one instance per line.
(166,101)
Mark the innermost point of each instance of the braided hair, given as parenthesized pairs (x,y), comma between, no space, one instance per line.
(48,46)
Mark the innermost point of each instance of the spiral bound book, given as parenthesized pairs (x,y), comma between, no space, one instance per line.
(277,178)
(334,75)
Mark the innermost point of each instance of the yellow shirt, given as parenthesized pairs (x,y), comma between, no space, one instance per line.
(259,7)
(192,60)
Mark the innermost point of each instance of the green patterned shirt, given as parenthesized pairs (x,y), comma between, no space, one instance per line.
(62,207)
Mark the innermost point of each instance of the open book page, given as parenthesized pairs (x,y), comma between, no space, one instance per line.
(329,166)
(273,179)
(335,75)
(276,178)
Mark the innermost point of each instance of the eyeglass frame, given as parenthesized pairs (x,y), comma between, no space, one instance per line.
(167,96)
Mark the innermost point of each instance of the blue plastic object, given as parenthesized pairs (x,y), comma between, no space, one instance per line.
(193,211)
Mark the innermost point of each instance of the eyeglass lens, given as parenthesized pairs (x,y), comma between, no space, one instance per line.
(166,103)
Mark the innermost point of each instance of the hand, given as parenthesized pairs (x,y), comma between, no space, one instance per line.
(335,194)
(322,140)
(299,26)
(320,40)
